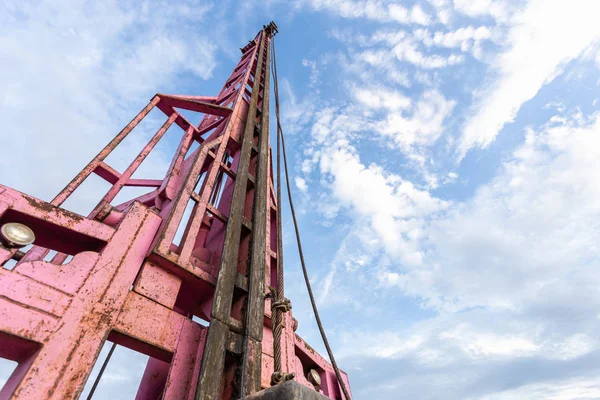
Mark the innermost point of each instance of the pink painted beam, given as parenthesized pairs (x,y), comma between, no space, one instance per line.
(67,357)
(107,173)
(149,322)
(74,184)
(126,175)
(29,293)
(154,380)
(170,183)
(158,285)
(181,383)
(143,183)
(128,282)
(194,105)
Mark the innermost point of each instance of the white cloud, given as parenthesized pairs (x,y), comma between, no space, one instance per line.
(423,127)
(545,36)
(407,51)
(418,16)
(385,344)
(374,65)
(158,59)
(379,97)
(295,113)
(480,345)
(405,48)
(451,177)
(301,184)
(382,58)
(393,207)
(314,71)
(512,271)
(464,38)
(452,39)
(451,341)
(373,10)
(519,262)
(508,277)
(566,389)
(500,10)
(411,123)
(528,233)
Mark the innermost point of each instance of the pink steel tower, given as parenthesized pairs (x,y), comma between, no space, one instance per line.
(118,275)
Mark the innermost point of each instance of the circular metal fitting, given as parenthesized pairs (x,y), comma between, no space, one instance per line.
(15,234)
(315,379)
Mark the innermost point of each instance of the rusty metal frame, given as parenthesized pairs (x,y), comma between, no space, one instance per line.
(120,275)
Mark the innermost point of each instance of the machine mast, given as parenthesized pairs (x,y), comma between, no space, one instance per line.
(200,245)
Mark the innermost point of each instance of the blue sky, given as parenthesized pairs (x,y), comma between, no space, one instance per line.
(444,154)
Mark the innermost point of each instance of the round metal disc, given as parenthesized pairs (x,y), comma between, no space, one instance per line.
(315,377)
(17,234)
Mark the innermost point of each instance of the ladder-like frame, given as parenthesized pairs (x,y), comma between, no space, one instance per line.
(123,274)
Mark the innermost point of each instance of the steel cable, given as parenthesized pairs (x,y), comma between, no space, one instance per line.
(104,364)
(298,241)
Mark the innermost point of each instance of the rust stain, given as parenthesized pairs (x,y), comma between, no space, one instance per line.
(44,206)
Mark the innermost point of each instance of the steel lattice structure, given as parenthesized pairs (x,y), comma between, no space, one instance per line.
(119,274)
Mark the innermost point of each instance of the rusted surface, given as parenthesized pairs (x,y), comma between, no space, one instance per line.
(160,327)
(234,343)
(172,177)
(188,103)
(157,284)
(222,303)
(251,363)
(251,366)
(126,175)
(107,173)
(67,278)
(144,182)
(154,380)
(46,212)
(185,367)
(55,318)
(209,385)
(65,360)
(29,293)
(26,321)
(267,369)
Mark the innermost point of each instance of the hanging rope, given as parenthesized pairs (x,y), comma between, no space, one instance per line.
(298,241)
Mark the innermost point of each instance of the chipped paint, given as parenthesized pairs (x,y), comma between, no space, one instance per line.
(129,280)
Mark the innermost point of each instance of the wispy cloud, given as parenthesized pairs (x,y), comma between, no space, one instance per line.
(73,76)
(537,49)
(377,10)
(474,279)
